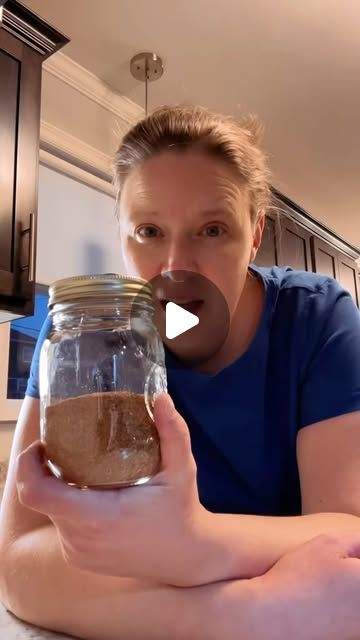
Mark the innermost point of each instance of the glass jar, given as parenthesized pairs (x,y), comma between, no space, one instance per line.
(100,368)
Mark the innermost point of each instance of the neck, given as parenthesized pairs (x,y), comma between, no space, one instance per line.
(243,328)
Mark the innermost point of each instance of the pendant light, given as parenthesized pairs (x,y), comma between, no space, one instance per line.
(146,67)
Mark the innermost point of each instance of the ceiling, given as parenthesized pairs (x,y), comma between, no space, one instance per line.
(295,64)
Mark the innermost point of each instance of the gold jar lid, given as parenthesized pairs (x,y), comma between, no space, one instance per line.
(107,286)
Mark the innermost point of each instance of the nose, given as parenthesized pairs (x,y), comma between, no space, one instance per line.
(180,259)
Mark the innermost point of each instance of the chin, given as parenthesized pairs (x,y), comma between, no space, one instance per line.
(191,352)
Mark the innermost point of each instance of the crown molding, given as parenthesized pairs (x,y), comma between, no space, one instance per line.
(73,171)
(63,144)
(30,28)
(87,83)
(71,156)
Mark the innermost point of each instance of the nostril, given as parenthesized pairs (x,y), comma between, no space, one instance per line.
(175,276)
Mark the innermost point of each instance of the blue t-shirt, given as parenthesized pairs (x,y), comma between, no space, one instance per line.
(303,366)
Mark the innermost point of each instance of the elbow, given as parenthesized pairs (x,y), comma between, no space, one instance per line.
(15,588)
(5,592)
(22,590)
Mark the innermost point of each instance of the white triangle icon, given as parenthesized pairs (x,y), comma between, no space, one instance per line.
(178,320)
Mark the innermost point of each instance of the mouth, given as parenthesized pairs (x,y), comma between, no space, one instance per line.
(193,306)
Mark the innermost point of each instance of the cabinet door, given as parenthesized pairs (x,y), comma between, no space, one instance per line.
(332,262)
(294,245)
(324,257)
(348,275)
(20,74)
(9,83)
(267,255)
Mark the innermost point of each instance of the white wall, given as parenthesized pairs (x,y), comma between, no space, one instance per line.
(77,234)
(77,231)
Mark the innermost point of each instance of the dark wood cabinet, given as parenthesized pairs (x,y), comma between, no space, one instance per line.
(295,239)
(294,246)
(348,275)
(25,42)
(9,79)
(324,258)
(20,70)
(268,253)
(331,262)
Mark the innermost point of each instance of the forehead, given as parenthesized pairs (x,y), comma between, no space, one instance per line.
(183,176)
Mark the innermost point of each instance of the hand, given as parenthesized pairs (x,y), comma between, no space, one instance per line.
(152,531)
(313,593)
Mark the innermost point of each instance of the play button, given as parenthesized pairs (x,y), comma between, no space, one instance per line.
(178,320)
(191,315)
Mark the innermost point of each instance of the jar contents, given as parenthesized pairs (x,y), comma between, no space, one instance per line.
(105,438)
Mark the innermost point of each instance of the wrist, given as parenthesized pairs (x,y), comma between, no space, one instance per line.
(212,557)
(235,610)
(270,608)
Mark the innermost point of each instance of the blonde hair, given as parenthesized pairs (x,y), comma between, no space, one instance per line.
(182,128)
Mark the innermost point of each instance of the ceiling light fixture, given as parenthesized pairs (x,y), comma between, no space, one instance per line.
(146,67)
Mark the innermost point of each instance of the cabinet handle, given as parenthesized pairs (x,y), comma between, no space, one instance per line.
(32,248)
(30,266)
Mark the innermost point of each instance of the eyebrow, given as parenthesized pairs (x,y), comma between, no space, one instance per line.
(204,213)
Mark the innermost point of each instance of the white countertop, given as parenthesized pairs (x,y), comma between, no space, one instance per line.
(12,628)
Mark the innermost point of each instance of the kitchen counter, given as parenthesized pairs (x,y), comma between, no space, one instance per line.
(11,628)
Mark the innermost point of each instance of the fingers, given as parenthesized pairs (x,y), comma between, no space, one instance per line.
(39,490)
(174,436)
(352,545)
(341,546)
(30,472)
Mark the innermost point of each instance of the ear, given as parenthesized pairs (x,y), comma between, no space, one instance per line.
(259,228)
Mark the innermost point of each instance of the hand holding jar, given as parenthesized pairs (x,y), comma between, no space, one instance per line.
(153,531)
(101,369)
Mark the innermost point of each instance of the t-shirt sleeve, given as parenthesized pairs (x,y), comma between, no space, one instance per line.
(32,388)
(331,384)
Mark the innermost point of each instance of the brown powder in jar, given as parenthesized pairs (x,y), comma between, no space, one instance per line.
(102,439)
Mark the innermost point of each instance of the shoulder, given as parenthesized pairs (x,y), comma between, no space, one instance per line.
(308,307)
(313,289)
(45,330)
(33,381)
(314,313)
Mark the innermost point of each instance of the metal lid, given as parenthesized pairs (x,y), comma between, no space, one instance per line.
(107,286)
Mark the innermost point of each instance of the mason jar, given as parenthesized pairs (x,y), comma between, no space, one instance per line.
(101,367)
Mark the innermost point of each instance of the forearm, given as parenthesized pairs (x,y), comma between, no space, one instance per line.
(42,589)
(241,546)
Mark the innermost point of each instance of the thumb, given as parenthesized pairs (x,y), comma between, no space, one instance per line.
(174,436)
(330,546)
(353,546)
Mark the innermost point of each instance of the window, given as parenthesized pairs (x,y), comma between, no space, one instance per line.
(23,336)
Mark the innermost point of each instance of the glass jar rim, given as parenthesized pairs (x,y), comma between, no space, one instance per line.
(106,286)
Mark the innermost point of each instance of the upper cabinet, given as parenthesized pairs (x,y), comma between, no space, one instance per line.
(25,42)
(293,238)
(268,253)
(330,261)
(294,245)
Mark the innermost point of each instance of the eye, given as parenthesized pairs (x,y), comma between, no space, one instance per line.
(213,231)
(148,231)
